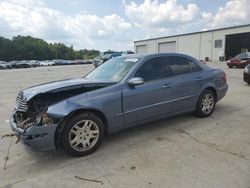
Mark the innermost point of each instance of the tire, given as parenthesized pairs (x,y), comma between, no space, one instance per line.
(82,134)
(206,103)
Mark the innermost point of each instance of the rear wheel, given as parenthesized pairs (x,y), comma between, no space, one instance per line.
(82,134)
(206,103)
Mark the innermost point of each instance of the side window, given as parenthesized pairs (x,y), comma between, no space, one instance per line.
(194,67)
(153,69)
(179,65)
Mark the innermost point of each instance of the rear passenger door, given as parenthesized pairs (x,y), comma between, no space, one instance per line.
(186,83)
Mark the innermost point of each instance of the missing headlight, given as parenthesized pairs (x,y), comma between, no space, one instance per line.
(46,120)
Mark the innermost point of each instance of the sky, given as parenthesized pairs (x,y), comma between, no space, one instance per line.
(115,24)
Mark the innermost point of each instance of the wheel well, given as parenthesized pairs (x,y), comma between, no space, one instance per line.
(64,122)
(212,89)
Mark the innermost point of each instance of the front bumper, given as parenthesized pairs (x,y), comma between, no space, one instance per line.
(36,138)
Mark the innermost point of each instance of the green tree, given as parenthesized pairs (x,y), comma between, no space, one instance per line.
(29,48)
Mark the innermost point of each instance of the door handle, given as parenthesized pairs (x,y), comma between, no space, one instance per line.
(167,86)
(199,78)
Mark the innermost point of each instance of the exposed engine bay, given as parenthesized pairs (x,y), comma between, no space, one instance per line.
(35,113)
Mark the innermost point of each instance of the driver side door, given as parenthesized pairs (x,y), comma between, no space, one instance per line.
(151,99)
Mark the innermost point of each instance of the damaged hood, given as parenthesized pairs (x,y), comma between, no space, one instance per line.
(64,85)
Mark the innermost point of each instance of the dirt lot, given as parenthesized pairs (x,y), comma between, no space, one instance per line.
(183,151)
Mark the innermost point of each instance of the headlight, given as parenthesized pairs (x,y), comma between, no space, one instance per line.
(243,61)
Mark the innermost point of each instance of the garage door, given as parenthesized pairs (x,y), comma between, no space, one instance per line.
(167,47)
(237,43)
(141,49)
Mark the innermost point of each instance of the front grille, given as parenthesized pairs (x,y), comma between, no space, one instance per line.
(21,104)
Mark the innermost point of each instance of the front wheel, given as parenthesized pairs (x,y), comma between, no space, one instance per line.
(82,134)
(206,103)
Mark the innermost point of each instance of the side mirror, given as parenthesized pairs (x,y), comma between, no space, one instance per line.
(136,81)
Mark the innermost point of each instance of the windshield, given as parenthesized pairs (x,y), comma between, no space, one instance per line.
(113,70)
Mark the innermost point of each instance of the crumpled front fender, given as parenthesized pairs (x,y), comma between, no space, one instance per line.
(63,109)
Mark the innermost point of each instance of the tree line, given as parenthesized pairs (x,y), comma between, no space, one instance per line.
(29,48)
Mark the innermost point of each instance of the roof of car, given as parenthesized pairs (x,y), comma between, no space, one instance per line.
(139,56)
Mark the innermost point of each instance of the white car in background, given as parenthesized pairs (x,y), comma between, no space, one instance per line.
(47,63)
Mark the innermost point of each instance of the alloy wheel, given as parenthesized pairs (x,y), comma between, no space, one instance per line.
(207,103)
(83,135)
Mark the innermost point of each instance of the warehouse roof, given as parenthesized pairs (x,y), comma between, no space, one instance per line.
(194,33)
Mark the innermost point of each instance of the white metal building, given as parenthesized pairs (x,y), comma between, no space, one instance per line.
(215,45)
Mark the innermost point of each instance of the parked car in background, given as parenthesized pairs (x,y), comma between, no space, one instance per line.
(78,62)
(109,56)
(106,57)
(239,61)
(4,65)
(89,61)
(46,63)
(246,74)
(34,63)
(20,64)
(61,62)
(97,61)
(121,93)
(128,52)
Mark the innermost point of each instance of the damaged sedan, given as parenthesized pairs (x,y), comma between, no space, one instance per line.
(126,91)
